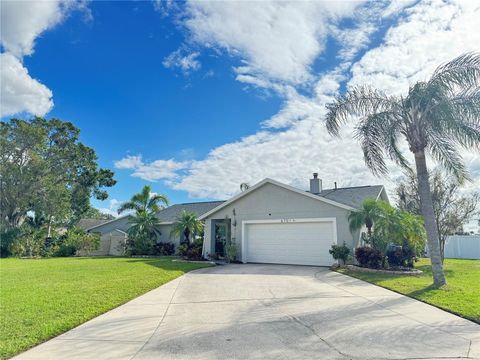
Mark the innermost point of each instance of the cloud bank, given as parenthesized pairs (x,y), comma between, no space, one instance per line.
(276,44)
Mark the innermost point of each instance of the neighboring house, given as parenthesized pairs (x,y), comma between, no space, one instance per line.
(272,222)
(113,233)
(86,224)
(462,247)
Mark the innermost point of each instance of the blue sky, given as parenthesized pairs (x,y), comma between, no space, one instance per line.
(195,98)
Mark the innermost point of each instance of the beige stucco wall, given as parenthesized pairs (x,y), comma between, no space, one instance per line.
(274,202)
(165,236)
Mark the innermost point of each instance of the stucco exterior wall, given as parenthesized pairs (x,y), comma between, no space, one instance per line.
(165,236)
(274,202)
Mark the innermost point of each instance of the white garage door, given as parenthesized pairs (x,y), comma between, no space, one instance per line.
(298,242)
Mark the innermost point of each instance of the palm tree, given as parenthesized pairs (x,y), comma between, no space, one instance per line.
(145,201)
(186,224)
(143,230)
(366,215)
(435,118)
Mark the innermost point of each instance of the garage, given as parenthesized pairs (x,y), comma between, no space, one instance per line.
(289,241)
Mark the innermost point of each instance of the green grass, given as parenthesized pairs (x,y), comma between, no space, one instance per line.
(43,298)
(460,296)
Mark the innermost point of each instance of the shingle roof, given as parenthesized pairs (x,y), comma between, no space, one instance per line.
(86,224)
(171,213)
(352,196)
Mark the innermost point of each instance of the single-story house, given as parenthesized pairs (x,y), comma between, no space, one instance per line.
(272,222)
(113,233)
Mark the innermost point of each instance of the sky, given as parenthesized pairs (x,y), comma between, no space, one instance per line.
(195,98)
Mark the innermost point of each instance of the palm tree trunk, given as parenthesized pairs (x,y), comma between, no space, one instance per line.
(429,218)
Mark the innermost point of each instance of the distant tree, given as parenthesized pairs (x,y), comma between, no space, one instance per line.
(93,213)
(452,207)
(436,117)
(186,224)
(46,170)
(145,201)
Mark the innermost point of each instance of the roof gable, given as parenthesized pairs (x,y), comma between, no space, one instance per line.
(282,185)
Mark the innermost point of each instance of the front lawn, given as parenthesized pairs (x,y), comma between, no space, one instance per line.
(461,295)
(43,298)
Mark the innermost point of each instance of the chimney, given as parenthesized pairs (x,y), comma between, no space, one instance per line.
(315,184)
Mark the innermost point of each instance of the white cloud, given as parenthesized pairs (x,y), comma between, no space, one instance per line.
(21,24)
(186,62)
(432,33)
(112,209)
(153,171)
(24,21)
(276,43)
(129,162)
(275,40)
(19,92)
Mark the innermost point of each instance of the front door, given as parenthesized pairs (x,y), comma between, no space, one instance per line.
(220,238)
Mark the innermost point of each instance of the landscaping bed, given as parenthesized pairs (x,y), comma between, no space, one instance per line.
(42,298)
(460,296)
(396,271)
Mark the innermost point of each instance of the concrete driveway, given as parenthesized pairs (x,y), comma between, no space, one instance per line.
(268,312)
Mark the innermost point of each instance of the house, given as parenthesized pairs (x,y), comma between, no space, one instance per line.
(113,233)
(272,222)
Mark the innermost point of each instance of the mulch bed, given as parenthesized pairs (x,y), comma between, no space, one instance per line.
(397,271)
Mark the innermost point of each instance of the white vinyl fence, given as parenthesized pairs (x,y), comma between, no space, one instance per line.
(462,247)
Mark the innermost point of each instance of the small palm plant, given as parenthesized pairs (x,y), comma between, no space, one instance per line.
(186,224)
(366,216)
(145,201)
(435,117)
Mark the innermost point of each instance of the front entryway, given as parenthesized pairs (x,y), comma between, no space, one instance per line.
(221,234)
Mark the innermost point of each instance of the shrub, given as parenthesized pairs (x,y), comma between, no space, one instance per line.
(230,251)
(340,252)
(141,244)
(182,249)
(29,242)
(164,249)
(400,255)
(191,251)
(194,253)
(369,257)
(8,238)
(76,239)
(63,250)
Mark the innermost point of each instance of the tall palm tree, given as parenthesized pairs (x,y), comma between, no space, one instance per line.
(435,118)
(186,224)
(366,215)
(145,201)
